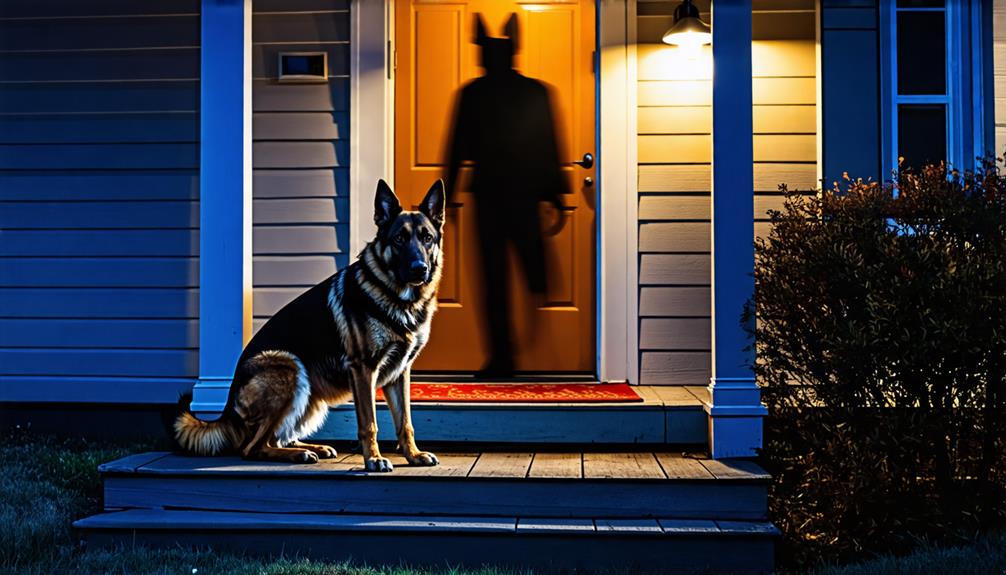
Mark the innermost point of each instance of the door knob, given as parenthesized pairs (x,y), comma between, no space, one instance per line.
(587,162)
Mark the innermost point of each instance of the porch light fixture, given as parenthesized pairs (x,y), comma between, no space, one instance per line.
(688,31)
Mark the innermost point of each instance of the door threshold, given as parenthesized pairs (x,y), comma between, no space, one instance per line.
(529,377)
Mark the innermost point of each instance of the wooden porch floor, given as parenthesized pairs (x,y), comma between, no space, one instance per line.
(658,509)
(646,465)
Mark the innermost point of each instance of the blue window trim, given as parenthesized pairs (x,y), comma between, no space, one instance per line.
(965,53)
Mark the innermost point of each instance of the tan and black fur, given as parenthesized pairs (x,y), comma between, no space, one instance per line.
(353,333)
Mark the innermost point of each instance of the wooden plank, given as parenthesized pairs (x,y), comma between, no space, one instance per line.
(265,58)
(300,27)
(98,272)
(548,425)
(124,214)
(748,528)
(780,91)
(99,156)
(554,525)
(300,6)
(801,119)
(451,465)
(108,186)
(501,465)
(675,93)
(293,270)
(300,126)
(734,469)
(674,269)
(674,396)
(674,301)
(131,463)
(621,465)
(556,465)
(29,8)
(351,492)
(269,96)
(701,392)
(678,467)
(108,303)
(767,177)
(301,211)
(674,237)
(150,127)
(781,58)
(217,520)
(100,362)
(634,526)
(146,64)
(300,154)
(91,390)
(267,301)
(92,97)
(675,178)
(675,120)
(277,240)
(674,207)
(785,148)
(675,368)
(324,183)
(684,334)
(97,243)
(100,33)
(688,526)
(678,149)
(117,333)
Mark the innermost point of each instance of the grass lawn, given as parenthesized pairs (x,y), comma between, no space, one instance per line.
(46,483)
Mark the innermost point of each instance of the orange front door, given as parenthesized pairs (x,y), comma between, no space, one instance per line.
(436,56)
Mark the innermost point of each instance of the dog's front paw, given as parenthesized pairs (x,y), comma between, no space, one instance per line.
(423,458)
(379,464)
(326,452)
(305,457)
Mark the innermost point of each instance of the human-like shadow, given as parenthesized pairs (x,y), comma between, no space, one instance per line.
(504,125)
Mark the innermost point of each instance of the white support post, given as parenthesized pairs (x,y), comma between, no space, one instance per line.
(735,410)
(225,183)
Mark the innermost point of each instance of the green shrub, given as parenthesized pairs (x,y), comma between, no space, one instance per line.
(881,341)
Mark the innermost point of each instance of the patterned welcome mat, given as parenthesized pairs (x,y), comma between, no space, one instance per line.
(522,392)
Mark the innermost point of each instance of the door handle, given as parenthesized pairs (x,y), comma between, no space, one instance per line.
(587,162)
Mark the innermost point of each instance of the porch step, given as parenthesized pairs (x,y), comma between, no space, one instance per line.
(667,415)
(670,545)
(550,509)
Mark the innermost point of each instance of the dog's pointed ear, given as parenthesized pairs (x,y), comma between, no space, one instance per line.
(510,31)
(386,204)
(480,30)
(434,204)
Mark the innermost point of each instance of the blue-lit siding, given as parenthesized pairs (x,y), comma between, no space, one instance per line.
(300,152)
(99,211)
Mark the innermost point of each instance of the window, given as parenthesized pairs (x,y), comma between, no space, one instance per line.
(928,84)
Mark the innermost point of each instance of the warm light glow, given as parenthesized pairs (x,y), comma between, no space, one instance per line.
(690,43)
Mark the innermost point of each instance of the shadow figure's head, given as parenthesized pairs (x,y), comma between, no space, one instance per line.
(410,242)
(497,53)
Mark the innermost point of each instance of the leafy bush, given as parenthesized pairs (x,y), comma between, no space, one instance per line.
(881,340)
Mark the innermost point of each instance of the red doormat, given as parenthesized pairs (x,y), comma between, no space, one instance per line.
(523,392)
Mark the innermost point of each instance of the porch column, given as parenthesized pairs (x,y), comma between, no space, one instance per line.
(224,199)
(735,409)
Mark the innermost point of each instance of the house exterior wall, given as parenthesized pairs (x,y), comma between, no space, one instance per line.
(99,199)
(300,152)
(675,147)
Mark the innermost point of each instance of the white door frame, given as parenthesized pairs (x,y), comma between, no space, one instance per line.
(372,156)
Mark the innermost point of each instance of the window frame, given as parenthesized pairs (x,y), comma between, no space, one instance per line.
(964,51)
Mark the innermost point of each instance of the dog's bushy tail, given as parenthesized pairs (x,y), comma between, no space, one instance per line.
(203,437)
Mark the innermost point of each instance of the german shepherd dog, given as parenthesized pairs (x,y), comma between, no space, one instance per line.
(355,332)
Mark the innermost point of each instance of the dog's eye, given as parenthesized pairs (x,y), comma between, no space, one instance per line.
(427,238)
(400,239)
